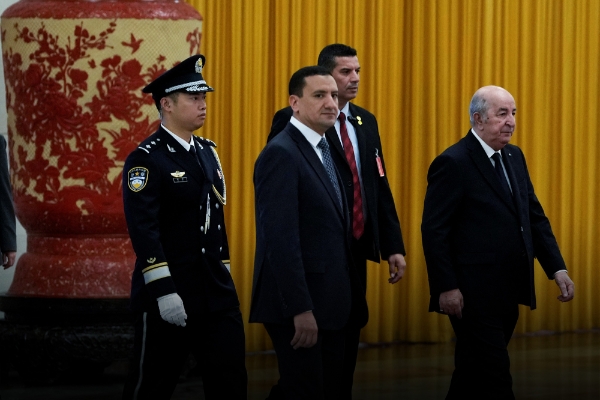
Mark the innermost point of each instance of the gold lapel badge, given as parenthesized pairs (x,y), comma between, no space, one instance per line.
(177,174)
(359,119)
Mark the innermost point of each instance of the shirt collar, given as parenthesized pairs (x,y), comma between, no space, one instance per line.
(313,137)
(182,142)
(488,150)
(345,110)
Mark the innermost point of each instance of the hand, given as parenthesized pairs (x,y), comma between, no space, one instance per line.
(451,303)
(566,285)
(171,309)
(397,266)
(8,259)
(306,330)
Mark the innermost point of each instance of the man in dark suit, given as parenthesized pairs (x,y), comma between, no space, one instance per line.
(181,290)
(356,150)
(482,228)
(8,237)
(305,287)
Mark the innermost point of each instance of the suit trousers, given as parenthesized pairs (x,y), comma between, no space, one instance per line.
(353,330)
(482,364)
(161,349)
(307,373)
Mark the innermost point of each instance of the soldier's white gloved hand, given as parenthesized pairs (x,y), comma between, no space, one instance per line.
(171,309)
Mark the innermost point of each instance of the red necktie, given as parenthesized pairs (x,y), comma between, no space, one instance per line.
(358,223)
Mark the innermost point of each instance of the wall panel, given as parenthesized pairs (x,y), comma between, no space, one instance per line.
(421,62)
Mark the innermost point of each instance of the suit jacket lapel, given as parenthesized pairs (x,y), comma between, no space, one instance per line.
(183,158)
(334,141)
(486,168)
(507,157)
(206,168)
(361,136)
(315,163)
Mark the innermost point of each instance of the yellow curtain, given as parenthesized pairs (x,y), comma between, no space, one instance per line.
(421,62)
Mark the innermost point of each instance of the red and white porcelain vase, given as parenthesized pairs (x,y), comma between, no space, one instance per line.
(74,71)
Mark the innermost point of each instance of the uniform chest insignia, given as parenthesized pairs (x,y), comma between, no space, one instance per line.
(177,174)
(138,178)
(172,150)
(151,260)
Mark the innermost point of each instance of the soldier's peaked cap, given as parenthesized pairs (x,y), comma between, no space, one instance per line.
(184,77)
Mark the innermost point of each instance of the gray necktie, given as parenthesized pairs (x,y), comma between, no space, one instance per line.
(329,167)
(500,172)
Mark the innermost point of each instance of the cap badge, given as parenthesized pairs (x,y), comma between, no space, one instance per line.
(199,66)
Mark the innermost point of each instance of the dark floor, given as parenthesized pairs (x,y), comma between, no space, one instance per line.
(548,367)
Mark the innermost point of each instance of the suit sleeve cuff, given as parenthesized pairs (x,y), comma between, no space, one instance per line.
(560,270)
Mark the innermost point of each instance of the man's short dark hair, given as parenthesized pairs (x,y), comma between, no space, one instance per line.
(298,80)
(329,53)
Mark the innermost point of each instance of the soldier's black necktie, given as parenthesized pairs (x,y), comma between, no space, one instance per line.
(194,154)
(329,167)
(500,172)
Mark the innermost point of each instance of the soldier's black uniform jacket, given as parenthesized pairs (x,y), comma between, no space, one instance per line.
(174,211)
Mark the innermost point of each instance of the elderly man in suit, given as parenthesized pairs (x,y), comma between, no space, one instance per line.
(482,228)
(305,287)
(357,153)
(8,237)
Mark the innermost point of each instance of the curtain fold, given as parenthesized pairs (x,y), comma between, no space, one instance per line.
(421,61)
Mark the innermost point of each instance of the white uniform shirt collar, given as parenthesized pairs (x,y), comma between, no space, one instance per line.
(182,142)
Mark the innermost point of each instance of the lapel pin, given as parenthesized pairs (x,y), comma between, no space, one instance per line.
(172,150)
(359,119)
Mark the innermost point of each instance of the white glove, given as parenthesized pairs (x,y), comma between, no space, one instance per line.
(171,309)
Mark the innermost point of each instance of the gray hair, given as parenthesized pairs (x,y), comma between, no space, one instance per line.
(478,105)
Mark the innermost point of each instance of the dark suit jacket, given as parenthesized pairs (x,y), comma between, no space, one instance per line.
(479,239)
(303,259)
(8,237)
(166,219)
(382,227)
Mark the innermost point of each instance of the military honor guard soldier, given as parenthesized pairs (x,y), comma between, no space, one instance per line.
(182,293)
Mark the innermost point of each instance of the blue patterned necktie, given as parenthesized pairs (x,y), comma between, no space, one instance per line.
(329,167)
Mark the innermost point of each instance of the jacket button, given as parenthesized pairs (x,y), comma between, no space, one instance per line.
(217,205)
(220,249)
(219,227)
(203,251)
(201,229)
(201,207)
